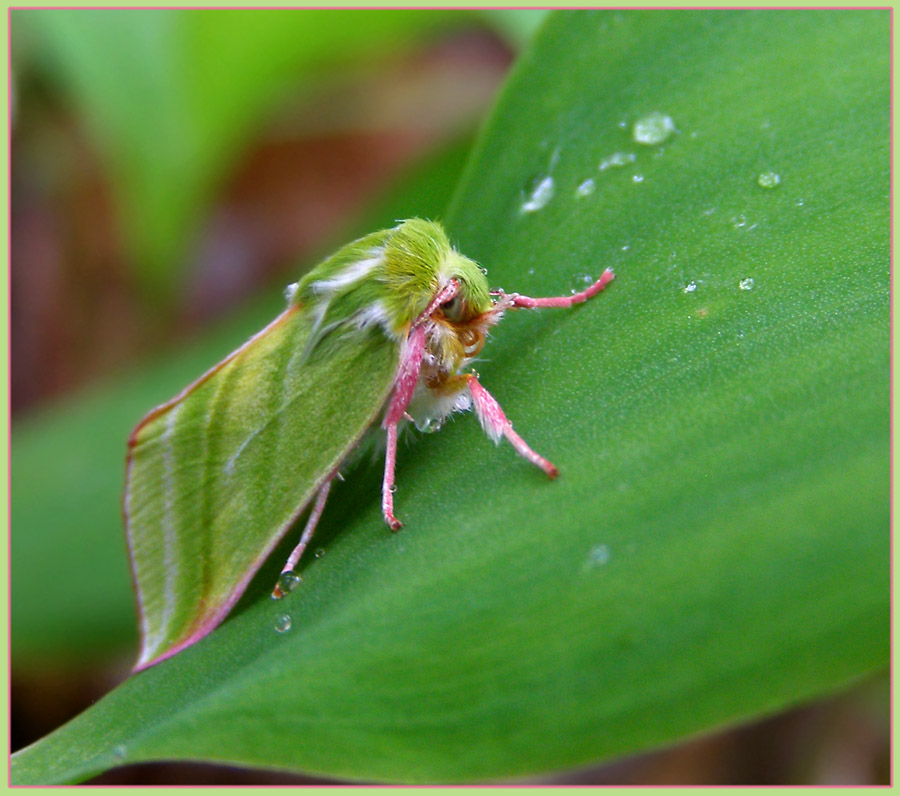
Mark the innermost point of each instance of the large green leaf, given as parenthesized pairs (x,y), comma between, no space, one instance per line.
(717,544)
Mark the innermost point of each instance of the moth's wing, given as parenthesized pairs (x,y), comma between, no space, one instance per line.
(219,473)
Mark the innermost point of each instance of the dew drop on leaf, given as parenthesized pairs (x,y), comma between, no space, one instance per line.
(616,160)
(769,179)
(537,193)
(585,189)
(653,129)
(282,623)
(597,557)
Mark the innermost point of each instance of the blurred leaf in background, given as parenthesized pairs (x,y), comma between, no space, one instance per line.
(717,548)
(168,163)
(171,96)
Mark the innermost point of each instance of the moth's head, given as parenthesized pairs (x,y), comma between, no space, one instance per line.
(419,263)
(473,297)
(460,322)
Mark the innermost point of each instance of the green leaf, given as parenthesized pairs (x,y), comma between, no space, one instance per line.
(717,544)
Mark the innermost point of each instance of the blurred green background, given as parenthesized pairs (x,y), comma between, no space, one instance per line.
(170,170)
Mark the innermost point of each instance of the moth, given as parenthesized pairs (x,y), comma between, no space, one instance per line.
(380,334)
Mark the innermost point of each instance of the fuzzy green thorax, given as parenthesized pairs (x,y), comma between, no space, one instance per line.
(419,261)
(389,278)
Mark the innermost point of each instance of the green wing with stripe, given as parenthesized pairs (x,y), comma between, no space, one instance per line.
(217,475)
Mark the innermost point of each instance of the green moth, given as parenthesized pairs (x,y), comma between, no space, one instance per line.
(217,475)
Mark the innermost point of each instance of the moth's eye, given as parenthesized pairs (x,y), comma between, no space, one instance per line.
(453,308)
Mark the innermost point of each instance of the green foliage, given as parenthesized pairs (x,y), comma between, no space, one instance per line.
(717,544)
(172,95)
(518,26)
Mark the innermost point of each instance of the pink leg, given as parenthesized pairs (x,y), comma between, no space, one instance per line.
(404,387)
(387,486)
(311,523)
(495,424)
(446,293)
(407,375)
(526,302)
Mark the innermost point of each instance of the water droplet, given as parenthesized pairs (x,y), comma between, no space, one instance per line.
(637,178)
(598,556)
(623,124)
(748,283)
(320,552)
(580,282)
(430,426)
(709,211)
(769,179)
(531,271)
(289,581)
(586,188)
(653,129)
(119,751)
(739,221)
(482,269)
(617,160)
(800,203)
(690,287)
(282,623)
(626,247)
(537,193)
